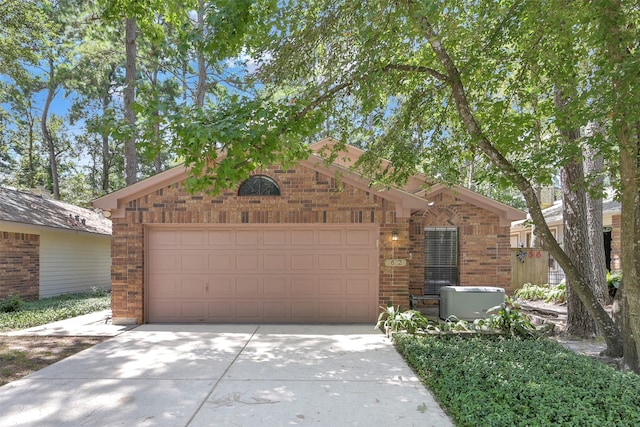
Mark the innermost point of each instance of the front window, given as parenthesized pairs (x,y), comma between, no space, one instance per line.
(441,259)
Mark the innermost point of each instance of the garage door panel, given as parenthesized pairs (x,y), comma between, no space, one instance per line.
(304,237)
(220,311)
(263,273)
(276,261)
(276,311)
(193,287)
(193,261)
(360,262)
(330,261)
(163,238)
(162,261)
(330,286)
(248,261)
(165,286)
(358,287)
(331,237)
(220,238)
(221,286)
(247,287)
(358,238)
(303,262)
(248,237)
(193,311)
(302,287)
(222,262)
(278,237)
(276,286)
(248,310)
(193,238)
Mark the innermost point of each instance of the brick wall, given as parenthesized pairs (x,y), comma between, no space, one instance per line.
(20,265)
(306,197)
(483,244)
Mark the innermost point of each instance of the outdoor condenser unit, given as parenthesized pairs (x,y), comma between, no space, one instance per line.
(469,302)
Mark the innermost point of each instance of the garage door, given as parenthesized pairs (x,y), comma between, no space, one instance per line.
(263,273)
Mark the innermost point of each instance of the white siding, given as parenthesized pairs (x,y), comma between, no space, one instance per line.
(69,261)
(73,262)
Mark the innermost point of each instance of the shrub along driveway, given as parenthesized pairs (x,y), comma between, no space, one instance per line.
(190,375)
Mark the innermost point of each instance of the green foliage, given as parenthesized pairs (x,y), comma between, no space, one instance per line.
(548,293)
(11,304)
(35,313)
(394,319)
(507,318)
(614,280)
(493,381)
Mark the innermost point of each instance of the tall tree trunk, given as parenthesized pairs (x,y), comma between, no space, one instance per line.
(593,168)
(130,153)
(628,139)
(202,63)
(104,134)
(576,232)
(574,213)
(46,135)
(453,79)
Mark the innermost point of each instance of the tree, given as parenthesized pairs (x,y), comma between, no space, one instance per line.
(441,81)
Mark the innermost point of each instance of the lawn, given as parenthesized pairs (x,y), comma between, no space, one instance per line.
(498,381)
(40,312)
(21,355)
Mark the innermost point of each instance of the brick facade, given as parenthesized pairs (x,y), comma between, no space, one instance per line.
(20,265)
(306,197)
(312,197)
(484,245)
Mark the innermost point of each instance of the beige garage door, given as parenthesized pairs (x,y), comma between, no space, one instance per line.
(263,273)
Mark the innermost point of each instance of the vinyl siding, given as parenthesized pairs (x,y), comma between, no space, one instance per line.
(73,263)
(69,261)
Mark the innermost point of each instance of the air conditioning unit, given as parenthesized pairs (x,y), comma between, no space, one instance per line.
(469,302)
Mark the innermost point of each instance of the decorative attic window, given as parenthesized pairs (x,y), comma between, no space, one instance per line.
(259,185)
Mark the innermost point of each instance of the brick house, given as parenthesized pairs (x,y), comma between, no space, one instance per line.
(49,247)
(313,243)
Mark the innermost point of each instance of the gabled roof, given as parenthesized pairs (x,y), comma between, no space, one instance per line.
(410,198)
(553,214)
(19,207)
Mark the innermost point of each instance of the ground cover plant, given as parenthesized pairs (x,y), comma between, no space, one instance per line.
(494,380)
(549,293)
(34,313)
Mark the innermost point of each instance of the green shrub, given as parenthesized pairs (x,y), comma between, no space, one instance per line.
(393,319)
(548,293)
(35,313)
(485,380)
(507,318)
(11,304)
(614,280)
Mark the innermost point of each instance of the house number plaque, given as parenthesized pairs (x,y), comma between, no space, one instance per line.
(396,262)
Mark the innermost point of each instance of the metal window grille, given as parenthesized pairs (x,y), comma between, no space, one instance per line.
(441,259)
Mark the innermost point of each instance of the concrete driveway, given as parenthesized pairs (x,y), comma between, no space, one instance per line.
(227,375)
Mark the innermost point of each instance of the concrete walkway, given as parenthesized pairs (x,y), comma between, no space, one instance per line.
(227,375)
(97,324)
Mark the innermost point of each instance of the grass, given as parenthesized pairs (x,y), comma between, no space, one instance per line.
(491,381)
(35,313)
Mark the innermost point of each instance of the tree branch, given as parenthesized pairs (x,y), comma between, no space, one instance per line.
(417,69)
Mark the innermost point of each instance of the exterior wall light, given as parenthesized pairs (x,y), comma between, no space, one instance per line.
(394,235)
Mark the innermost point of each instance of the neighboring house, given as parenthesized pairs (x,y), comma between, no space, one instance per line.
(611,220)
(49,248)
(313,243)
